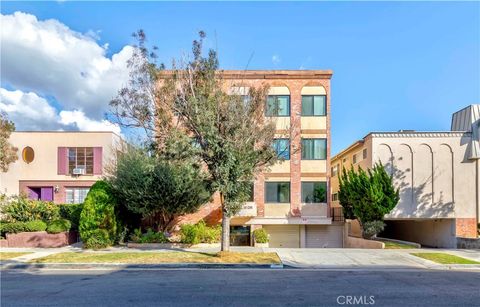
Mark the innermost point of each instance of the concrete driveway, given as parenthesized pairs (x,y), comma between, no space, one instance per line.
(350,258)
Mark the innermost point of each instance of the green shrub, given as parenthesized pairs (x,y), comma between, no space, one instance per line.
(200,233)
(59,226)
(22,209)
(98,214)
(371,229)
(260,235)
(37,225)
(149,237)
(72,213)
(14,227)
(97,239)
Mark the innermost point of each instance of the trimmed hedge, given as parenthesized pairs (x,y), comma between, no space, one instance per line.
(98,225)
(17,227)
(22,209)
(59,226)
(200,233)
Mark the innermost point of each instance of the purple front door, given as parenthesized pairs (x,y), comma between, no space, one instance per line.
(42,193)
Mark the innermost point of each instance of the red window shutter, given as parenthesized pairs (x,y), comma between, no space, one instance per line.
(62,161)
(97,160)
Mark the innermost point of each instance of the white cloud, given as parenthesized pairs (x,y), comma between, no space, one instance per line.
(276,59)
(31,112)
(48,58)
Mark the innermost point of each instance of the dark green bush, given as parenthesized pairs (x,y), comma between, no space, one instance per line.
(14,227)
(200,233)
(97,239)
(22,209)
(72,213)
(149,237)
(98,217)
(260,235)
(59,226)
(37,225)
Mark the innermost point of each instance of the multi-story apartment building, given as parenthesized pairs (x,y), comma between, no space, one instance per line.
(437,174)
(58,166)
(290,200)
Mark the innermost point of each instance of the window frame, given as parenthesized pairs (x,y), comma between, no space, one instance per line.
(276,146)
(303,197)
(278,192)
(313,140)
(85,156)
(74,191)
(364,153)
(277,115)
(313,106)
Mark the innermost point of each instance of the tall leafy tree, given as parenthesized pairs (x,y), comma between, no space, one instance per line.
(8,153)
(368,196)
(233,141)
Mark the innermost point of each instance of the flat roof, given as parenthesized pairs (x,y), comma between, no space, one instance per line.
(66,131)
(271,74)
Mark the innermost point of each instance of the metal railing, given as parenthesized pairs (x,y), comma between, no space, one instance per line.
(337,214)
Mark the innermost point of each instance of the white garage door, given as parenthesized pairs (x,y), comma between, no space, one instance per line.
(320,236)
(283,235)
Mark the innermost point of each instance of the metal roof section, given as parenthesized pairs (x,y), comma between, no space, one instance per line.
(468,119)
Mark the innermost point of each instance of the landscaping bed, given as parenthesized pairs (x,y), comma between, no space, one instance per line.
(444,258)
(161,257)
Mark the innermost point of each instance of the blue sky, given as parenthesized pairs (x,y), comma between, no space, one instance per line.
(405,65)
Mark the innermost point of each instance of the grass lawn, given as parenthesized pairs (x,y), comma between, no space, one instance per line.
(396,245)
(444,258)
(160,257)
(10,255)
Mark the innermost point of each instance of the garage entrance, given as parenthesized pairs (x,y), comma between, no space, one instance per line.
(283,235)
(322,236)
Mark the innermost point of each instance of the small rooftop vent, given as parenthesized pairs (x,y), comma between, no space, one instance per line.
(406,131)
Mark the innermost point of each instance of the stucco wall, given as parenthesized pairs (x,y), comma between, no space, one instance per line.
(44,165)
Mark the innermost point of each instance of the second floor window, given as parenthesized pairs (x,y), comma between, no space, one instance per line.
(278,105)
(314,149)
(334,170)
(314,105)
(80,157)
(277,192)
(282,148)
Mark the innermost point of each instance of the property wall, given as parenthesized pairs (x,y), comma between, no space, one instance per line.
(43,169)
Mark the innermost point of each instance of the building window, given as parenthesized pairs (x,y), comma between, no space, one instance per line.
(80,158)
(314,105)
(314,192)
(277,192)
(334,170)
(364,153)
(314,149)
(75,195)
(278,105)
(282,148)
(354,158)
(335,197)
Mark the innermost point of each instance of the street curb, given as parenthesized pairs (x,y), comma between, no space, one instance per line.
(109,266)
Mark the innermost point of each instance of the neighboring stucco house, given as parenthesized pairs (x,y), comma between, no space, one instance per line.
(291,200)
(437,174)
(58,166)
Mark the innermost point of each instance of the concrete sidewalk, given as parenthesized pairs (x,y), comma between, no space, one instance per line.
(312,258)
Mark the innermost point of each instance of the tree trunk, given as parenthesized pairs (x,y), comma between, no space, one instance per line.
(225,247)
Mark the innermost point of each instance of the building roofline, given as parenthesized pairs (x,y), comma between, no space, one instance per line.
(271,74)
(352,146)
(69,131)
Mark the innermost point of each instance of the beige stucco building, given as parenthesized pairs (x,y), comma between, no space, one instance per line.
(58,166)
(437,174)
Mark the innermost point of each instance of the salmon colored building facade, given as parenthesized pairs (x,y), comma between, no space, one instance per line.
(291,199)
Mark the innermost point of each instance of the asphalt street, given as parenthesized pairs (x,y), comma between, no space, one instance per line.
(239,287)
